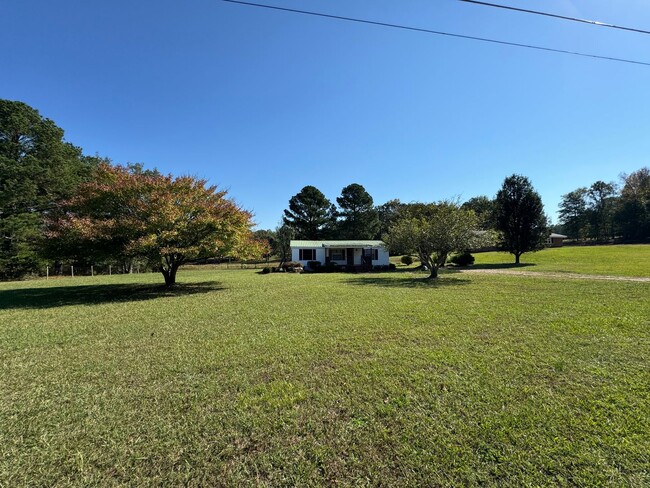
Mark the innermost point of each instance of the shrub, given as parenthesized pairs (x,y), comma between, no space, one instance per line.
(331,268)
(314,265)
(407,260)
(391,267)
(462,259)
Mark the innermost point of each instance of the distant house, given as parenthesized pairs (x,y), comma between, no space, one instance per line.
(555,240)
(343,253)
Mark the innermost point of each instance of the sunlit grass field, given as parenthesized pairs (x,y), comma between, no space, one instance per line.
(243,379)
(618,260)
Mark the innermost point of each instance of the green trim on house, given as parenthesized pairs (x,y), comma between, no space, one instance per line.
(343,244)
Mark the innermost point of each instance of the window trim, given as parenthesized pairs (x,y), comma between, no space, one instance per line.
(374,254)
(338,250)
(301,254)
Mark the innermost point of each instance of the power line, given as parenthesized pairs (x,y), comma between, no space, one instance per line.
(439,33)
(563,17)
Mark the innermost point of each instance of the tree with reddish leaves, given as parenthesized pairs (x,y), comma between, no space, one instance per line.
(167,220)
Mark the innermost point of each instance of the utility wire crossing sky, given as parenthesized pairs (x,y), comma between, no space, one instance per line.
(563,17)
(400,97)
(440,33)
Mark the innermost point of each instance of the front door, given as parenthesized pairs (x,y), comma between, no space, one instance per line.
(366,257)
(349,252)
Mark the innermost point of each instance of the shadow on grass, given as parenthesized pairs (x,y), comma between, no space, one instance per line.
(497,266)
(412,281)
(61,296)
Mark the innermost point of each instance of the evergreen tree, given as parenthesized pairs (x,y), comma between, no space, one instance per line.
(520,217)
(37,169)
(573,213)
(310,214)
(359,218)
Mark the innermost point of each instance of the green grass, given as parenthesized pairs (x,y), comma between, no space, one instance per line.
(619,260)
(241,379)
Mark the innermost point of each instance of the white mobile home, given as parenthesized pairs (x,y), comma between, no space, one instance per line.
(343,253)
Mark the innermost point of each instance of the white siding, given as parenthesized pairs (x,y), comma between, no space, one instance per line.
(295,255)
(382,258)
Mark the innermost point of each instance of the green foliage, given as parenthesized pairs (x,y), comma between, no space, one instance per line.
(600,213)
(166,220)
(433,231)
(268,236)
(407,260)
(484,208)
(310,214)
(573,213)
(471,380)
(462,259)
(633,213)
(601,200)
(388,213)
(520,217)
(281,244)
(37,169)
(314,265)
(359,218)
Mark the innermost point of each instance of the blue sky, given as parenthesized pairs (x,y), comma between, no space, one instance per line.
(264,102)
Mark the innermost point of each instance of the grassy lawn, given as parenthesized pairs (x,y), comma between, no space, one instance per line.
(241,379)
(619,260)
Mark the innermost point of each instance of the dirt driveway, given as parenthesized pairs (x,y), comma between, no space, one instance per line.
(555,275)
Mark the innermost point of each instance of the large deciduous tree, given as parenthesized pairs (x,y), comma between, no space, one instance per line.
(601,198)
(434,231)
(388,214)
(484,209)
(520,217)
(164,219)
(359,219)
(37,168)
(310,214)
(282,244)
(633,214)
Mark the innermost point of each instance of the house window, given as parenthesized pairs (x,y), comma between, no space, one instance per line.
(337,254)
(371,253)
(307,254)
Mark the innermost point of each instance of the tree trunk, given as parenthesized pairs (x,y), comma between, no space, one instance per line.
(434,273)
(169,274)
(517,256)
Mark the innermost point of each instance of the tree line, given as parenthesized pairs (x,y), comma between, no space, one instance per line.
(514,221)
(606,211)
(57,205)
